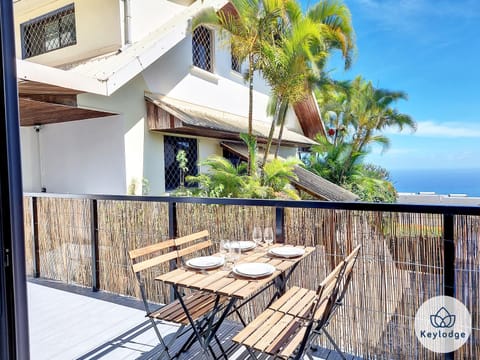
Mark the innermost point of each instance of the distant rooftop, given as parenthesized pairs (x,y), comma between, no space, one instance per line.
(428,197)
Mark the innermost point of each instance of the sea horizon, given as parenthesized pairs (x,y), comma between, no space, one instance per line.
(439,181)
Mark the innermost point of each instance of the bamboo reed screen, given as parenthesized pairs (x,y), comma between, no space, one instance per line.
(399,267)
(467,277)
(64,240)
(124,226)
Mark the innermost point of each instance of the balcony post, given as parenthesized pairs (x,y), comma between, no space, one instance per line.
(94,244)
(172,234)
(36,246)
(279,225)
(448,256)
(448,262)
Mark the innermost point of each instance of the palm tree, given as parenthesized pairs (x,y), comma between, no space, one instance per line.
(249,24)
(369,112)
(298,57)
(357,115)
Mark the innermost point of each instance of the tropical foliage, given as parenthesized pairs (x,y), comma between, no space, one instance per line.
(294,61)
(357,115)
(225,179)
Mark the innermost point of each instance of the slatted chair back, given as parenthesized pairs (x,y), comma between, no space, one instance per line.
(150,255)
(147,257)
(190,244)
(330,293)
(160,253)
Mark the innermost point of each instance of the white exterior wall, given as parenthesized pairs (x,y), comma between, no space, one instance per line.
(129,102)
(92,18)
(148,15)
(224,89)
(29,139)
(76,157)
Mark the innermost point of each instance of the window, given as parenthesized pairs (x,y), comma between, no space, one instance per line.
(202,48)
(49,32)
(236,65)
(232,157)
(172,145)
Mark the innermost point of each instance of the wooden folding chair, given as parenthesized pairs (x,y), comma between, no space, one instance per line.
(287,328)
(198,303)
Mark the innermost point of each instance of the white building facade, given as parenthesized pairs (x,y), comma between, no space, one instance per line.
(89,57)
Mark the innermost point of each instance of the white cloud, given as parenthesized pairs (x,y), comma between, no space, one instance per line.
(443,130)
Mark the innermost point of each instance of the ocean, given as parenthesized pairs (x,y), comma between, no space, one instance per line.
(440,181)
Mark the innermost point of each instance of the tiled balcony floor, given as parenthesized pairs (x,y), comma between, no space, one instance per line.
(74,323)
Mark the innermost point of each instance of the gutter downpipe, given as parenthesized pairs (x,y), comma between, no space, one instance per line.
(127,12)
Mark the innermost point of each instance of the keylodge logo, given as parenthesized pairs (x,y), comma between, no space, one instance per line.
(443,324)
(442,319)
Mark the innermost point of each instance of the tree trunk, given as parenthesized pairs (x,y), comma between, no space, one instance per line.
(270,134)
(281,116)
(251,166)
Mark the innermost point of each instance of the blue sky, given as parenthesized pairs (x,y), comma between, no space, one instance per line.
(429,49)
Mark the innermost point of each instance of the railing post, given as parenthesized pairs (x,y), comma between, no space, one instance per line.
(36,246)
(279,225)
(448,256)
(94,245)
(172,220)
(448,262)
(172,234)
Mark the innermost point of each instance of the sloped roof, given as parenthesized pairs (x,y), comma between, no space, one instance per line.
(106,74)
(307,181)
(205,117)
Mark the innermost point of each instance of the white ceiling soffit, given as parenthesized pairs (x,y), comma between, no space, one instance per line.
(105,75)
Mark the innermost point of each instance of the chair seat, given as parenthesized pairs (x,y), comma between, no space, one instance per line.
(280,329)
(199,304)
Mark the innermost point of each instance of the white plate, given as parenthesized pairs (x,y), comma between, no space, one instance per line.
(243,245)
(286,251)
(205,262)
(254,269)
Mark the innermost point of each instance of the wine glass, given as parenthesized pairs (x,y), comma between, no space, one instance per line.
(257,235)
(224,251)
(235,251)
(268,236)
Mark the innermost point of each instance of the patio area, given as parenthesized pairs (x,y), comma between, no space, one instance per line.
(72,322)
(408,255)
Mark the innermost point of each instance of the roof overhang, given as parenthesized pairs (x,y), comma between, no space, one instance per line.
(48,104)
(34,112)
(176,116)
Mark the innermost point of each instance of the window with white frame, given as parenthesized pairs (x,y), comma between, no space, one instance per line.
(202,48)
(49,32)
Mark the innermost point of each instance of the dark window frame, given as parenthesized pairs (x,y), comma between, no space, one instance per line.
(202,48)
(38,39)
(171,146)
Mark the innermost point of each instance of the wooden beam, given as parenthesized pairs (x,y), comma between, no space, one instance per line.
(34,112)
